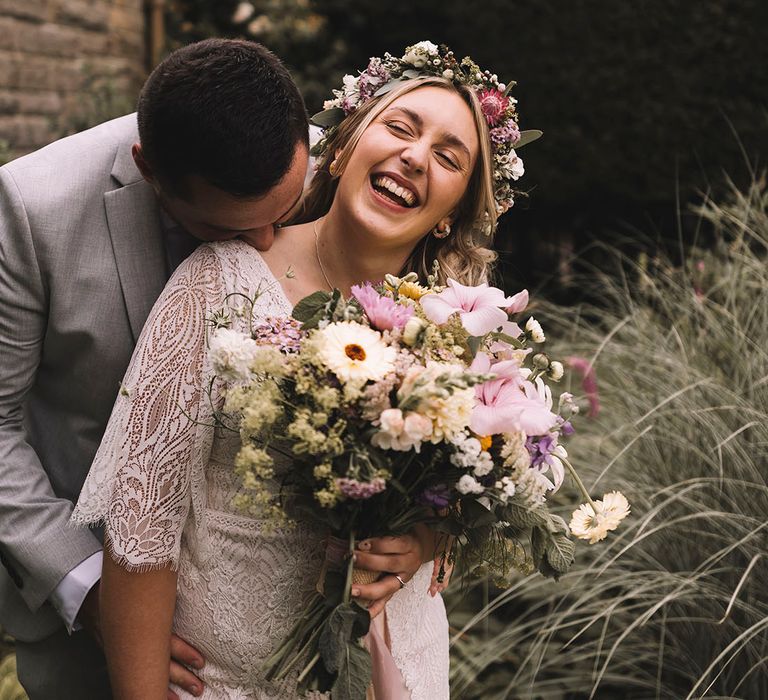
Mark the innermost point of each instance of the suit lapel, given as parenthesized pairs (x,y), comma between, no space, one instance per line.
(134,226)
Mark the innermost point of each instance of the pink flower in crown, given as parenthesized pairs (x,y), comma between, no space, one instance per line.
(506,133)
(383,313)
(481,308)
(493,104)
(508,403)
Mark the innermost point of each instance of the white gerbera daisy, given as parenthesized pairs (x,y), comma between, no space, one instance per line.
(588,525)
(615,508)
(355,353)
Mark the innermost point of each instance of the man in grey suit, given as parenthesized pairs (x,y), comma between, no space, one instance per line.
(90,229)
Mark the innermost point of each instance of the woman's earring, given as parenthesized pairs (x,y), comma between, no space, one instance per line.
(333,167)
(442,230)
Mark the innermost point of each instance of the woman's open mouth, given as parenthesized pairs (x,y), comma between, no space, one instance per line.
(394,192)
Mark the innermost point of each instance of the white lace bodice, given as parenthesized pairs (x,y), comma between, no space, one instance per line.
(162,483)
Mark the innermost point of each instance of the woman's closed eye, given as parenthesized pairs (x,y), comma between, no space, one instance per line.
(449,160)
(400,128)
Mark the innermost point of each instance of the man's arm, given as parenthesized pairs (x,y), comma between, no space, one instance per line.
(39,547)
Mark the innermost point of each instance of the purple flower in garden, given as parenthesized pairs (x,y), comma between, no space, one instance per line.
(383,313)
(360,490)
(437,496)
(567,429)
(283,333)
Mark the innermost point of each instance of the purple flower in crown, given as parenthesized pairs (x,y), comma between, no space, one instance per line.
(372,78)
(437,496)
(506,133)
(383,313)
(360,490)
(283,333)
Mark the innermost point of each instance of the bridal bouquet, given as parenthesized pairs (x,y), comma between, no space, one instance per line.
(403,404)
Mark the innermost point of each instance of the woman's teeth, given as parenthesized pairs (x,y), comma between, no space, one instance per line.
(407,197)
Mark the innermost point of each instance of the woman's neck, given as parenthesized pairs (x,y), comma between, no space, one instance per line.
(347,256)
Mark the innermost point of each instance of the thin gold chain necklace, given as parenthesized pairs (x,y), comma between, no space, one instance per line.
(317,252)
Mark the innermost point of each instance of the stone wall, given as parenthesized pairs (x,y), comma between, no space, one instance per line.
(66,65)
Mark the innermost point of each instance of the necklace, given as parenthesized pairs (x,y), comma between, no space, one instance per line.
(317,252)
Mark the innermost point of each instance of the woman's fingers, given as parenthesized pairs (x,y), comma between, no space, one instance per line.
(184,678)
(388,545)
(387,562)
(377,607)
(385,588)
(184,655)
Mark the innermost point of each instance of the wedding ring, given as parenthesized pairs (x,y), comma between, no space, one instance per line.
(402,583)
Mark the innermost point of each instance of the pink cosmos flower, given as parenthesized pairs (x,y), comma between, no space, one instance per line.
(509,403)
(384,313)
(481,308)
(493,104)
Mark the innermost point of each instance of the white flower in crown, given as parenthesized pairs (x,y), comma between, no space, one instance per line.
(419,54)
(355,353)
(509,166)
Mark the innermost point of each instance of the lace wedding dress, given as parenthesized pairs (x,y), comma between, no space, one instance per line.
(163,482)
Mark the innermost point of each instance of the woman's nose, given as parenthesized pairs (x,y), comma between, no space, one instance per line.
(414,156)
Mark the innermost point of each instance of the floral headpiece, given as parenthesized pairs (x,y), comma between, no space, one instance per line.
(428,59)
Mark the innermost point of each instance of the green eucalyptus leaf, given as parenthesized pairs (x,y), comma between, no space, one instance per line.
(354,674)
(328,117)
(524,516)
(387,87)
(411,73)
(527,137)
(538,546)
(560,553)
(343,626)
(310,310)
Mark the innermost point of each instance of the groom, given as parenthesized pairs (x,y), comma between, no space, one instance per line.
(90,229)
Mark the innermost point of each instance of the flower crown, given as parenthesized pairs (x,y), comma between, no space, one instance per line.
(428,59)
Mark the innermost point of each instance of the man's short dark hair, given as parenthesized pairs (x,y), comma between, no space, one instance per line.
(226,110)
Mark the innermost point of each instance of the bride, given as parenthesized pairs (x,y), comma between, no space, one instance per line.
(409,176)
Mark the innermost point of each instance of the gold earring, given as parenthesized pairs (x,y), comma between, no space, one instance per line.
(442,230)
(333,167)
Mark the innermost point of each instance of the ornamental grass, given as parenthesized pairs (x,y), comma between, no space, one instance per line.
(675,604)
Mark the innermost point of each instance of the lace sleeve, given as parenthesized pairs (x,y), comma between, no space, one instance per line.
(147,481)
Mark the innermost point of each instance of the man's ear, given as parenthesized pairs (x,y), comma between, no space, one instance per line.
(142,165)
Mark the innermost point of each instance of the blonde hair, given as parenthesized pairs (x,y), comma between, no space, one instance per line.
(463,255)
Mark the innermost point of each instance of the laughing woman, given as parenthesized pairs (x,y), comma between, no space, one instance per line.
(416,169)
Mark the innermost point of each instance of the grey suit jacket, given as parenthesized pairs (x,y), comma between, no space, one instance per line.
(81,263)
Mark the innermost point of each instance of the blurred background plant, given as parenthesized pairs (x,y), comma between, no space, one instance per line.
(674,604)
(10,688)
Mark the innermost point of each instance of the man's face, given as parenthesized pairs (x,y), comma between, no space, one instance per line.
(211,214)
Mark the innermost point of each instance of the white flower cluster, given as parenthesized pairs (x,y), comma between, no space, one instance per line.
(232,354)
(435,390)
(420,54)
(470,454)
(509,166)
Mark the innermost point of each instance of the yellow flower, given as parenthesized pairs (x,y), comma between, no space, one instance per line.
(411,290)
(355,353)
